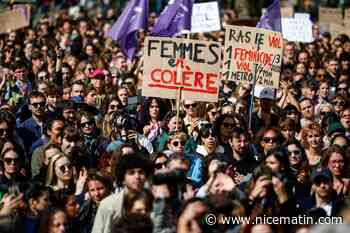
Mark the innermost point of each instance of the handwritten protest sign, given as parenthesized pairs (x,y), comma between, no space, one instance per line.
(205,17)
(252,52)
(12,20)
(347,17)
(337,29)
(24,9)
(171,63)
(297,29)
(328,15)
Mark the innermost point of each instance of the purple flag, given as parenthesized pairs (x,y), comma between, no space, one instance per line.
(124,31)
(174,18)
(271,20)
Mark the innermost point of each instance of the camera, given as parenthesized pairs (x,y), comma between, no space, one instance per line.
(171,178)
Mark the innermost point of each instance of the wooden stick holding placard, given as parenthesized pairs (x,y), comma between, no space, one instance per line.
(178,104)
(179,95)
(251,107)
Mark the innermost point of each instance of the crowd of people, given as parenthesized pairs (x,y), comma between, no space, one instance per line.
(82,151)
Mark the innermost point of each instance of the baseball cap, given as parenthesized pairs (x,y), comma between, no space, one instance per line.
(97,73)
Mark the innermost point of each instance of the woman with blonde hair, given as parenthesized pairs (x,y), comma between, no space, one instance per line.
(60,172)
(311,138)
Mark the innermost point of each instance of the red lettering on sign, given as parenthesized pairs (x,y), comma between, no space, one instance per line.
(198,76)
(243,66)
(186,75)
(153,75)
(211,77)
(167,76)
(192,81)
(275,42)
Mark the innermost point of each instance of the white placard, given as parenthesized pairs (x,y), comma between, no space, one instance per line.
(302,15)
(205,17)
(297,29)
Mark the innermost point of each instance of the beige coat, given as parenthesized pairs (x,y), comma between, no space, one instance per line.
(111,209)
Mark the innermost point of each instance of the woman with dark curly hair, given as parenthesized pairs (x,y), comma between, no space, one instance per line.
(154,112)
(94,143)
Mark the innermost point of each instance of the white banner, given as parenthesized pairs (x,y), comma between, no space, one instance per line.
(297,29)
(205,17)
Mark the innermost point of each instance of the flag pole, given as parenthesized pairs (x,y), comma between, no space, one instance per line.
(179,94)
(251,107)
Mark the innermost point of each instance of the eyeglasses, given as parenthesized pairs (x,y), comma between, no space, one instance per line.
(323,113)
(342,88)
(3,131)
(87,124)
(320,180)
(113,107)
(187,106)
(177,143)
(38,105)
(41,77)
(228,125)
(128,83)
(159,165)
(65,167)
(11,160)
(269,139)
(208,134)
(295,152)
(291,112)
(340,103)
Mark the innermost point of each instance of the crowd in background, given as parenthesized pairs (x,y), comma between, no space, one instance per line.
(82,151)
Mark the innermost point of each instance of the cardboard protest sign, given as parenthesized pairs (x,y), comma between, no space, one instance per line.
(297,29)
(347,17)
(328,15)
(252,52)
(171,63)
(12,20)
(337,29)
(205,17)
(24,9)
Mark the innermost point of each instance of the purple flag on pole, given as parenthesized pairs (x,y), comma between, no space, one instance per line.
(174,18)
(124,31)
(271,20)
